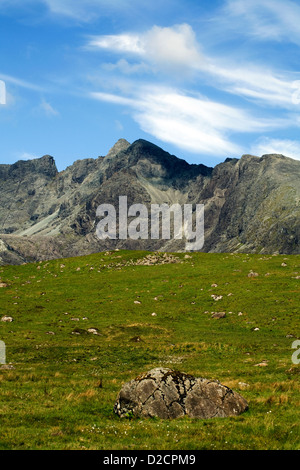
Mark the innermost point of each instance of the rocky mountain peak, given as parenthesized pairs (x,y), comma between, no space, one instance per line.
(47,164)
(44,166)
(142,150)
(120,145)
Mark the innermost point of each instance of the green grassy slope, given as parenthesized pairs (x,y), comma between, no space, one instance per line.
(64,381)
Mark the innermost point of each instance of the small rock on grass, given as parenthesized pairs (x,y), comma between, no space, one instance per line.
(6,318)
(252,274)
(218,315)
(6,367)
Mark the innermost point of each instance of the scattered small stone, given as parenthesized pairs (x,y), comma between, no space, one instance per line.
(154,314)
(261,364)
(6,318)
(214,285)
(136,339)
(217,297)
(3,284)
(155,258)
(79,331)
(293,370)
(6,367)
(50,333)
(93,331)
(256,329)
(136,302)
(243,385)
(283,265)
(218,315)
(252,274)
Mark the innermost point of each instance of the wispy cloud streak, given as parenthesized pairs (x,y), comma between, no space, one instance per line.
(20,83)
(272,20)
(195,124)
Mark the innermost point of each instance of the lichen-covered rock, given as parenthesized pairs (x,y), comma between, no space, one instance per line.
(166,393)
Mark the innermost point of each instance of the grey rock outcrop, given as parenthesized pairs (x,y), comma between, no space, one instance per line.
(169,394)
(119,146)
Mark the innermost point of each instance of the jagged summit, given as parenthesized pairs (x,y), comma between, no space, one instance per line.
(150,154)
(44,165)
(120,145)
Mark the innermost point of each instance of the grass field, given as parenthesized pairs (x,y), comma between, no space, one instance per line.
(64,380)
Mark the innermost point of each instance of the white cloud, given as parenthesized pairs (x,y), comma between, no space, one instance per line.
(265,19)
(126,67)
(48,109)
(249,81)
(168,48)
(195,124)
(176,49)
(115,99)
(173,46)
(119,126)
(184,134)
(83,11)
(130,43)
(266,145)
(19,82)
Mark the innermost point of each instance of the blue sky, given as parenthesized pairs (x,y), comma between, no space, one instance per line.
(205,80)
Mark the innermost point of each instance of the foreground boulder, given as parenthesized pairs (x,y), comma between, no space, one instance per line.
(166,393)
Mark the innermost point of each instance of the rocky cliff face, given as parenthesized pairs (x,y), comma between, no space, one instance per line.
(251,204)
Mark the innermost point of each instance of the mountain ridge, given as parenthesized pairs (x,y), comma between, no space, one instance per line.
(251,204)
